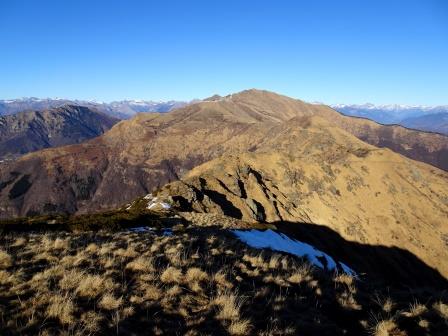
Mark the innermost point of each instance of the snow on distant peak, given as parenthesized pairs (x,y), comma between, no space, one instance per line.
(280,242)
(386,107)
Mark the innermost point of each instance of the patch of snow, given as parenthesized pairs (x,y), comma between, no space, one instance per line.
(143,229)
(154,202)
(167,232)
(281,242)
(140,229)
(129,206)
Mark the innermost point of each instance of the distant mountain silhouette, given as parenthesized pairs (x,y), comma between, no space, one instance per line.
(435,122)
(425,118)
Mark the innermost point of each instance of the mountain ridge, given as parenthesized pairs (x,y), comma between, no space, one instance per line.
(123,109)
(34,130)
(399,114)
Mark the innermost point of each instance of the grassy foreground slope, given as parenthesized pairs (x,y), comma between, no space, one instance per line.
(195,281)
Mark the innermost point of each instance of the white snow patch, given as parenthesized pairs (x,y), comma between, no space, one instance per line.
(154,202)
(167,232)
(280,242)
(129,206)
(141,229)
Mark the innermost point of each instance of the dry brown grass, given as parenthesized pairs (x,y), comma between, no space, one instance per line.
(129,252)
(91,286)
(19,242)
(62,308)
(92,248)
(129,283)
(194,277)
(152,292)
(141,264)
(172,275)
(239,327)
(110,302)
(229,306)
(442,309)
(50,244)
(71,279)
(5,259)
(221,279)
(387,328)
(6,278)
(415,309)
(300,274)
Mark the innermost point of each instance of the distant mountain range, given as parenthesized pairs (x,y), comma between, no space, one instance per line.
(435,122)
(29,131)
(426,118)
(124,109)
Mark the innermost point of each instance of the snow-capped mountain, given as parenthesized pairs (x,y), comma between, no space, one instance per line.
(120,109)
(422,117)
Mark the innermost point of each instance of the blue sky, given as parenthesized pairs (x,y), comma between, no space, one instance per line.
(331,51)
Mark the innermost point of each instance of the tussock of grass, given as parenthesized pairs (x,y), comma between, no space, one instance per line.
(239,327)
(62,308)
(195,274)
(91,286)
(140,264)
(229,306)
(110,302)
(442,309)
(415,309)
(387,328)
(71,279)
(172,275)
(300,274)
(5,259)
(221,279)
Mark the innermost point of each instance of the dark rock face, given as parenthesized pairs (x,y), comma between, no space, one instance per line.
(26,132)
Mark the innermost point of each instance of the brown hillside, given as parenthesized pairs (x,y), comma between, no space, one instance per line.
(144,153)
(320,174)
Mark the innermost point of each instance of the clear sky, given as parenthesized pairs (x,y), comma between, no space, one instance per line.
(380,51)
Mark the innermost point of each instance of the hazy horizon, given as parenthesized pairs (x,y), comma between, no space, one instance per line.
(154,100)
